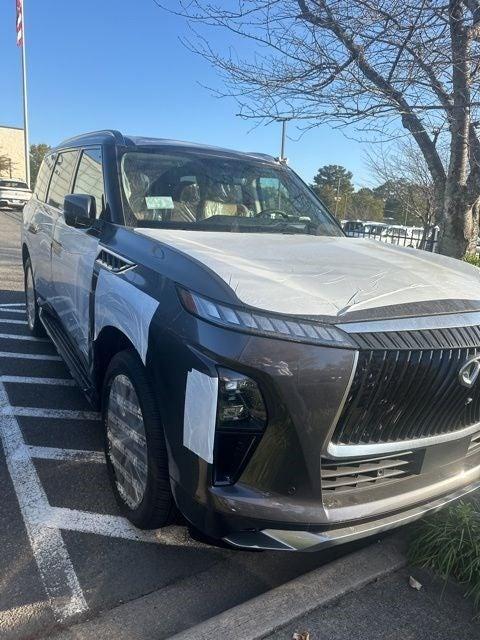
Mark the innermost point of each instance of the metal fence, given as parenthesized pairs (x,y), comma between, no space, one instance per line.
(416,238)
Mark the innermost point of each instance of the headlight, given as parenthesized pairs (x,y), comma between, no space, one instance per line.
(261,323)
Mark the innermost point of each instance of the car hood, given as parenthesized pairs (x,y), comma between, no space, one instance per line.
(327,276)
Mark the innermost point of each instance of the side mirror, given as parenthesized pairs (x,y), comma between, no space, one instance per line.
(79,210)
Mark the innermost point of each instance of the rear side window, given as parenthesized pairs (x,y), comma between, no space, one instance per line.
(43,178)
(89,180)
(62,178)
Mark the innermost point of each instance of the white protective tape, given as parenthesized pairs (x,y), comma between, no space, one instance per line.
(119,304)
(303,274)
(200,414)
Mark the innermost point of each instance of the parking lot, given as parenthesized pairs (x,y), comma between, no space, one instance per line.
(66,552)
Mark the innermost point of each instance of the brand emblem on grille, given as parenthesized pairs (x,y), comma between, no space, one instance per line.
(470,371)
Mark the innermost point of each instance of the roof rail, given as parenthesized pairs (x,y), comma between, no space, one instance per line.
(95,135)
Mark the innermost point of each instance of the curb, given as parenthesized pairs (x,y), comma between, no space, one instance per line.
(260,617)
(257,618)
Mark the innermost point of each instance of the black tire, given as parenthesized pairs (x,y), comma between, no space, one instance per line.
(31,305)
(157,507)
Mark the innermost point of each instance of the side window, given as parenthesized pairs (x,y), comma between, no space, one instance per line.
(43,178)
(89,180)
(62,178)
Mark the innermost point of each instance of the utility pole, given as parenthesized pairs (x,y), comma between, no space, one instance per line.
(284,121)
(338,195)
(21,43)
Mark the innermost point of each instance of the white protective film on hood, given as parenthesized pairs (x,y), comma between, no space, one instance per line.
(119,304)
(319,275)
(200,414)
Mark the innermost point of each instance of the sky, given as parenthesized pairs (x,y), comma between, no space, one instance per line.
(119,64)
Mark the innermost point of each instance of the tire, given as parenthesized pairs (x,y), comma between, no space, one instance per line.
(31,305)
(142,487)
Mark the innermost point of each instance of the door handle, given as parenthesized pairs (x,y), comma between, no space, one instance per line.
(33,228)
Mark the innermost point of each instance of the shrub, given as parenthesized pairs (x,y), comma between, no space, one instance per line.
(449,543)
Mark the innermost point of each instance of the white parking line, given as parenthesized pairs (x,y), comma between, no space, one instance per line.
(4,310)
(10,321)
(57,382)
(29,356)
(73,455)
(16,336)
(58,575)
(12,304)
(114,527)
(61,414)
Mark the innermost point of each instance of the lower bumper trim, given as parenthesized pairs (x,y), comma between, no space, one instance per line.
(286,540)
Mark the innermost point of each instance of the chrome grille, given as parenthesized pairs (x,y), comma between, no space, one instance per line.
(399,395)
(341,476)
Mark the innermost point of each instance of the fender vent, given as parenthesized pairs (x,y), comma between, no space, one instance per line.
(113,262)
(352,474)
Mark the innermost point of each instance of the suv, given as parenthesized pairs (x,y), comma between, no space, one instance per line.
(280,384)
(14,193)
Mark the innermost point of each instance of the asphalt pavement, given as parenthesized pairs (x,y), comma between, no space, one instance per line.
(65,552)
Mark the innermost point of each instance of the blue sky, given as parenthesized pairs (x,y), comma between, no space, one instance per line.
(96,64)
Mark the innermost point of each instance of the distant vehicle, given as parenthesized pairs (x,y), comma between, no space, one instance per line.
(354,228)
(372,229)
(14,193)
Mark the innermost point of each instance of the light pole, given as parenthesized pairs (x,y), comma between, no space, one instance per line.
(284,121)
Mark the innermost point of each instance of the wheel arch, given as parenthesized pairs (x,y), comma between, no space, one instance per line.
(108,343)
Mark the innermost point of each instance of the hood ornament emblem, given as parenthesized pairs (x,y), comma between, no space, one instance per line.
(469,372)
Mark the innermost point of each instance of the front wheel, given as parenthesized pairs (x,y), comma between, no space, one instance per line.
(135,447)
(33,319)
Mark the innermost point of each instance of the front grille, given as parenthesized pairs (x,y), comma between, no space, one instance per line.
(404,394)
(342,476)
(453,337)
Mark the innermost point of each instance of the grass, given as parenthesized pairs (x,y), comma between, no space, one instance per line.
(448,542)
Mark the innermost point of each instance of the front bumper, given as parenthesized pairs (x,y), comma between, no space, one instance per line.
(287,540)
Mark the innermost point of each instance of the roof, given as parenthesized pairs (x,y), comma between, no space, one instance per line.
(111,136)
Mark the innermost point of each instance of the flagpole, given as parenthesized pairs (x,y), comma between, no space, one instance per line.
(25,101)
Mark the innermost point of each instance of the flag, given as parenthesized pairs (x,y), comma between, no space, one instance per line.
(19,23)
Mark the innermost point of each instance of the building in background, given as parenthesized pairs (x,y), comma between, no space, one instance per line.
(12,146)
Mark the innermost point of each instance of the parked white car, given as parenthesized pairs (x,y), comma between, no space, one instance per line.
(14,193)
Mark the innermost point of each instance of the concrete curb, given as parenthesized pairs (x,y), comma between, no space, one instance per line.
(273,610)
(254,619)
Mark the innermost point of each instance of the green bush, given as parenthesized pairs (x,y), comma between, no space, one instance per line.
(449,543)
(473,258)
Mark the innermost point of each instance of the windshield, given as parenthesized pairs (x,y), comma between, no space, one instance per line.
(13,184)
(207,192)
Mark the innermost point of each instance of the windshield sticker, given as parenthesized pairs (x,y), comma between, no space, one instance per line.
(159,202)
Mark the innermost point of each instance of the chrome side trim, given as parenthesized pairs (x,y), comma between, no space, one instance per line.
(341,405)
(353,450)
(310,541)
(413,324)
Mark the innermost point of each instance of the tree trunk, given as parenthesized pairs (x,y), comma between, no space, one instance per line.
(456,227)
(472,245)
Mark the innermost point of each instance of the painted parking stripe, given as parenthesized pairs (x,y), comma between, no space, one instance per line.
(61,414)
(29,356)
(16,336)
(58,575)
(10,321)
(10,310)
(73,455)
(57,382)
(114,527)
(12,304)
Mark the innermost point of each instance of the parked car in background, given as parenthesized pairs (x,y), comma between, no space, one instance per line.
(374,229)
(354,228)
(14,193)
(282,385)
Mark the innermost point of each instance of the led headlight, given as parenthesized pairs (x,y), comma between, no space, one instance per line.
(262,323)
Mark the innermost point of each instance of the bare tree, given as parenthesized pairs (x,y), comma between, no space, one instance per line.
(404,176)
(378,65)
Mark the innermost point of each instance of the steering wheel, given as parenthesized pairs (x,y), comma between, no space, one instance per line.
(265,213)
